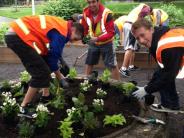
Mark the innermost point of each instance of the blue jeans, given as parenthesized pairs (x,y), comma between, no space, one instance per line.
(166,23)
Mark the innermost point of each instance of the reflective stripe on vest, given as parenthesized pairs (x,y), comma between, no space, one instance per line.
(100,27)
(42,21)
(36,48)
(21,24)
(170,42)
(164,16)
(26,31)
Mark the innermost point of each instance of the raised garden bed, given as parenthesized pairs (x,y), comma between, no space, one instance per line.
(84,119)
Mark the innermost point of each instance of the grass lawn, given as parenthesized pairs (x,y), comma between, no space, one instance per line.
(11,13)
(120,7)
(127,7)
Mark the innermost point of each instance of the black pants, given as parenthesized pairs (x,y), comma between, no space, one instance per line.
(32,61)
(168,94)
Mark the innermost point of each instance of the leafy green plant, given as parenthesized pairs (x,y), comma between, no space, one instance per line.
(105,76)
(58,102)
(65,128)
(116,41)
(175,14)
(16,87)
(63,8)
(98,105)
(6,85)
(79,102)
(114,120)
(90,122)
(59,99)
(9,107)
(3,30)
(26,130)
(127,88)
(85,86)
(25,77)
(75,114)
(42,116)
(101,93)
(72,73)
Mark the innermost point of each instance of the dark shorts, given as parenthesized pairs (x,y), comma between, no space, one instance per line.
(107,52)
(32,61)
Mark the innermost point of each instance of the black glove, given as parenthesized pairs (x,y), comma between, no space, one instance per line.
(64,83)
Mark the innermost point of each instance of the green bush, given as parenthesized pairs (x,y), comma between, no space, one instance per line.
(63,8)
(3,30)
(175,14)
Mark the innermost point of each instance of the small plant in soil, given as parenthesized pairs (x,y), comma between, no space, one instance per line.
(72,73)
(42,116)
(79,102)
(89,121)
(101,93)
(85,86)
(126,88)
(105,76)
(26,130)
(65,128)
(114,120)
(25,77)
(98,105)
(16,87)
(9,108)
(5,86)
(59,100)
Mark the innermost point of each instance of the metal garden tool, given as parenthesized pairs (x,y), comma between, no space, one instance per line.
(150,120)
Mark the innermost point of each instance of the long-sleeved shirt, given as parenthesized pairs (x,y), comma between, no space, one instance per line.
(57,43)
(171,59)
(109,24)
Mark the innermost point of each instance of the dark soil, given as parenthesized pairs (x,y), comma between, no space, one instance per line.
(114,103)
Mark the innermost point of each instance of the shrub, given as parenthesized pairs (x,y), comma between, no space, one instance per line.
(3,30)
(175,14)
(63,8)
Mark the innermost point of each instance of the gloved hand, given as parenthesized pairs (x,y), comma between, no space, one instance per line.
(140,93)
(64,83)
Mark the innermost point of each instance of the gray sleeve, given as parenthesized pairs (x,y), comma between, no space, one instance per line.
(158,16)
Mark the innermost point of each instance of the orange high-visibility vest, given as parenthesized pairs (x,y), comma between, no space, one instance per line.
(164,16)
(100,27)
(171,39)
(33,30)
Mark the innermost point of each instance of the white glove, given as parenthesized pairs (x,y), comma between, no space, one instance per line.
(140,93)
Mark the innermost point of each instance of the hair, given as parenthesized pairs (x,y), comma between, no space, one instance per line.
(79,30)
(141,23)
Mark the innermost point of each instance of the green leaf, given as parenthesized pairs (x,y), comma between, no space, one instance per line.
(114,120)
(65,128)
(72,73)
